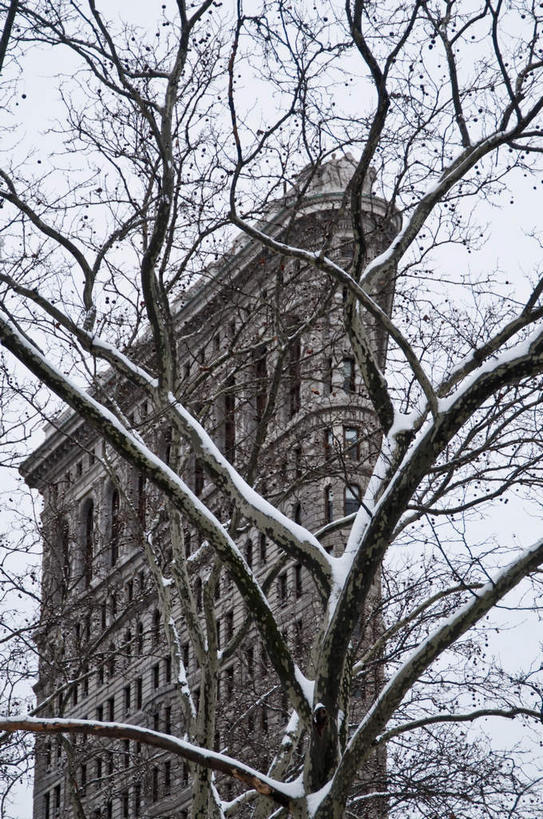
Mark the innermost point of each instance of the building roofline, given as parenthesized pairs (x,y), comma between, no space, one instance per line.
(68,422)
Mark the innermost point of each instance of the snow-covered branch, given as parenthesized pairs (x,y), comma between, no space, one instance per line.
(174,487)
(421,658)
(282,793)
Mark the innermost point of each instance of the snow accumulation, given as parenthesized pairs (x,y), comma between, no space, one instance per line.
(519,350)
(461,615)
(247,493)
(292,790)
(252,498)
(307,686)
(313,800)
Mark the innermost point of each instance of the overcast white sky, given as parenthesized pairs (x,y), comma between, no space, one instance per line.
(509,248)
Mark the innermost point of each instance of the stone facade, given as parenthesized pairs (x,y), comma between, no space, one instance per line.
(264,362)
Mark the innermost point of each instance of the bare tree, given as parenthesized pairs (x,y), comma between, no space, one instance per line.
(175,137)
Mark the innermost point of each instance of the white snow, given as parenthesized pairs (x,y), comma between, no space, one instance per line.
(313,800)
(307,686)
(292,790)
(456,618)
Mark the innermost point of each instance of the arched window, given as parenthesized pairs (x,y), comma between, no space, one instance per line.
(87,539)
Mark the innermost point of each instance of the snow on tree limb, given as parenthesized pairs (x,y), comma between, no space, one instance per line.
(280,792)
(185,500)
(422,657)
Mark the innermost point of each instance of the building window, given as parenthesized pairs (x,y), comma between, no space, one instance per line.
(168,669)
(352,498)
(83,777)
(128,644)
(126,752)
(263,549)
(156,627)
(156,675)
(249,656)
(167,777)
(298,513)
(261,382)
(168,719)
(127,697)
(137,799)
(126,805)
(64,556)
(87,529)
(298,585)
(98,764)
(141,499)
(294,377)
(115,524)
(47,806)
(249,553)
(328,504)
(111,661)
(328,373)
(56,800)
(111,709)
(139,638)
(154,784)
(350,442)
(328,444)
(282,589)
(198,477)
(229,625)
(299,640)
(348,374)
(230,681)
(139,693)
(230,420)
(48,755)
